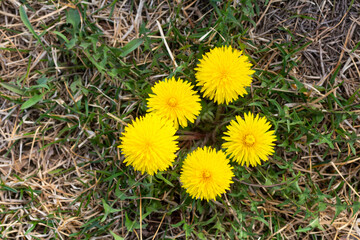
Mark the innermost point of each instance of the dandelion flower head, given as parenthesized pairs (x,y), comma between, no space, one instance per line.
(149,144)
(175,100)
(206,173)
(223,74)
(249,140)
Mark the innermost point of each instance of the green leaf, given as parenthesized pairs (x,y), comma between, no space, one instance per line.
(12,88)
(6,188)
(73,17)
(316,224)
(200,235)
(322,206)
(71,43)
(76,85)
(108,210)
(55,171)
(339,207)
(219,226)
(326,139)
(262,220)
(130,225)
(160,176)
(188,230)
(356,207)
(280,109)
(304,229)
(131,46)
(27,23)
(62,36)
(32,101)
(116,237)
(31,228)
(42,81)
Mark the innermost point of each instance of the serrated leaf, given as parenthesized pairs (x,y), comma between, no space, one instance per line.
(339,207)
(32,101)
(108,210)
(188,230)
(316,224)
(326,139)
(12,88)
(131,46)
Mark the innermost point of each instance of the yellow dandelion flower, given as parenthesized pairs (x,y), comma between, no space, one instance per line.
(249,140)
(175,100)
(206,173)
(149,144)
(223,74)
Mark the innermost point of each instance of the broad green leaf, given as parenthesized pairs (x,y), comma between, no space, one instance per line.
(73,17)
(76,85)
(32,101)
(116,237)
(131,46)
(12,88)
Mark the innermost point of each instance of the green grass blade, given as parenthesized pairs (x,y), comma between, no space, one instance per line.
(27,23)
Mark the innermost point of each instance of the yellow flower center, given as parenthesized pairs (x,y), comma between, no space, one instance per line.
(224,75)
(148,145)
(249,140)
(172,102)
(205,175)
